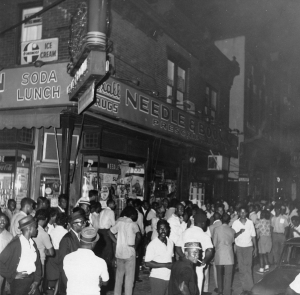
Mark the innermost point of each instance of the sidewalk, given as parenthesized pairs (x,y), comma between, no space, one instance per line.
(143,288)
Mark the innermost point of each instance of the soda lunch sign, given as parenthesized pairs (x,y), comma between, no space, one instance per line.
(129,104)
(30,86)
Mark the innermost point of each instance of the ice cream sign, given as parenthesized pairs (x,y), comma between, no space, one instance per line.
(31,86)
(44,50)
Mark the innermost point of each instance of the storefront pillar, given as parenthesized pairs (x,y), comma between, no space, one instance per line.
(67,123)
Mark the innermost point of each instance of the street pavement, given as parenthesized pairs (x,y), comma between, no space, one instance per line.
(143,288)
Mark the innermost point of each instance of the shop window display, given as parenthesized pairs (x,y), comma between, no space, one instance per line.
(113,178)
(14,176)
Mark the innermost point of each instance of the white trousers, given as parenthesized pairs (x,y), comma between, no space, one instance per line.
(202,276)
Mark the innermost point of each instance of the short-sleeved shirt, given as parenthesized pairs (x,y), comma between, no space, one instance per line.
(126,230)
(244,239)
(295,234)
(83,269)
(160,252)
(183,271)
(107,218)
(177,227)
(279,223)
(42,242)
(195,234)
(263,227)
(56,235)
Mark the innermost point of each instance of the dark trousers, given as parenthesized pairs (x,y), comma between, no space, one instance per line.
(22,287)
(224,277)
(105,251)
(105,246)
(158,286)
(139,258)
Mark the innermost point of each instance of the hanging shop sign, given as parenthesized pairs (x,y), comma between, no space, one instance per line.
(133,106)
(34,87)
(91,70)
(86,98)
(45,50)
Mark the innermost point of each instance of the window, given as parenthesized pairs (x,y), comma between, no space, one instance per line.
(210,107)
(31,30)
(176,85)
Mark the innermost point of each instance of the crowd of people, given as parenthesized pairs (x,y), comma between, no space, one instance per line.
(44,250)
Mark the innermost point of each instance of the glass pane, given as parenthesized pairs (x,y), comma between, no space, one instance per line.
(207,90)
(213,114)
(32,30)
(171,73)
(214,100)
(181,79)
(169,94)
(179,102)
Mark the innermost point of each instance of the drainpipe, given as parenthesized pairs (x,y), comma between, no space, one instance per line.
(97,13)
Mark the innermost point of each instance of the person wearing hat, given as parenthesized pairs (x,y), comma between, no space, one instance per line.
(70,243)
(183,279)
(20,261)
(196,234)
(84,270)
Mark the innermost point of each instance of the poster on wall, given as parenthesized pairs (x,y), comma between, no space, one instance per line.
(21,184)
(50,188)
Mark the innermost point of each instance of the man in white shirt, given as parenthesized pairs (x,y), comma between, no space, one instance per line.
(52,267)
(158,257)
(245,242)
(196,234)
(70,243)
(26,209)
(127,240)
(20,261)
(104,247)
(106,221)
(177,223)
(84,270)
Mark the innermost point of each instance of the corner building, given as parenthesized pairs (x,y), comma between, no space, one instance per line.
(157,114)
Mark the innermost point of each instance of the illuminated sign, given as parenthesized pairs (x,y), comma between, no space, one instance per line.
(92,69)
(45,50)
(119,100)
(31,86)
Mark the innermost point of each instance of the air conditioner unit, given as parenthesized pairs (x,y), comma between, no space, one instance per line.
(218,163)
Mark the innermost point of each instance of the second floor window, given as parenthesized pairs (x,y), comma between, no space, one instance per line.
(176,85)
(31,30)
(210,107)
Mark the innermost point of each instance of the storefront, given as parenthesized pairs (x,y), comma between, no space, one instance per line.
(136,145)
(31,102)
(126,144)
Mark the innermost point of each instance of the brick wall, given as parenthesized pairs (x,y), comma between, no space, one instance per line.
(136,54)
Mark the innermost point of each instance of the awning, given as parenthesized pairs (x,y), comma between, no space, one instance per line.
(28,118)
